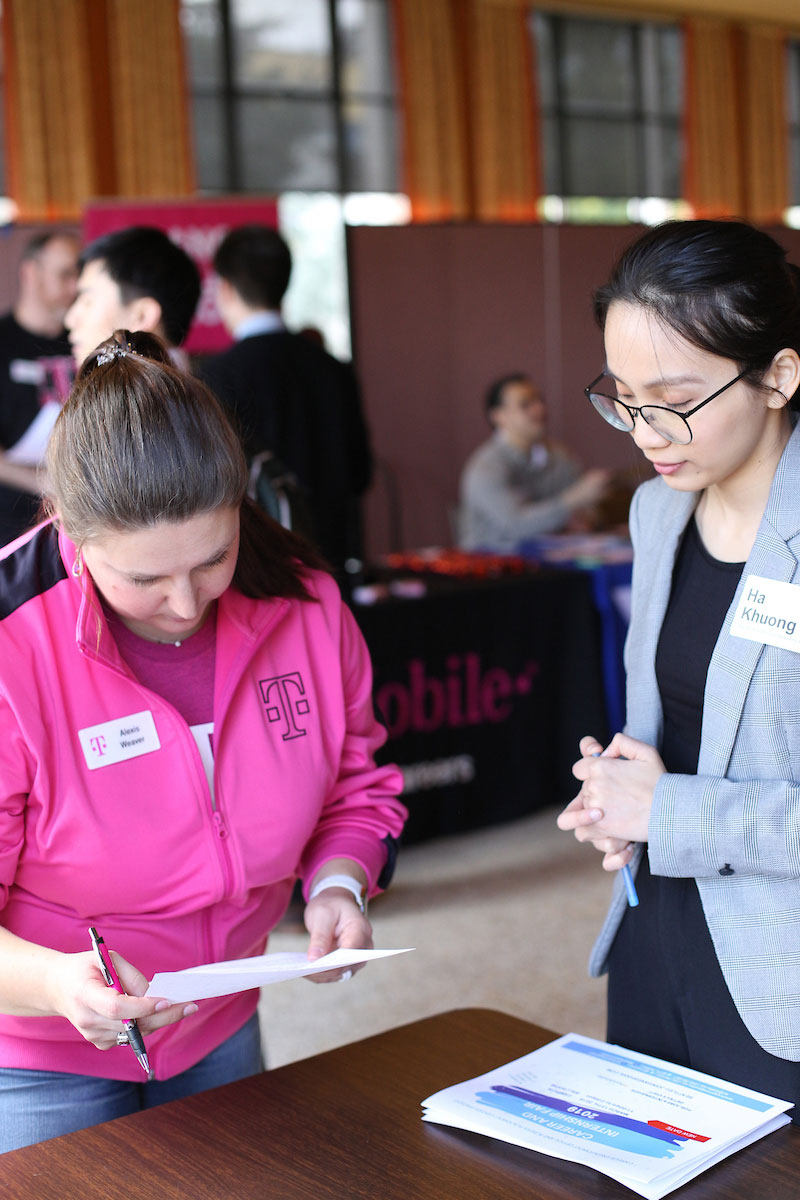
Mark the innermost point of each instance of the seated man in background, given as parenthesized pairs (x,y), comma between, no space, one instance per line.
(519,484)
(136,279)
(36,372)
(286,394)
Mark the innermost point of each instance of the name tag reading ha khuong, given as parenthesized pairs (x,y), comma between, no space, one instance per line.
(115,741)
(769,611)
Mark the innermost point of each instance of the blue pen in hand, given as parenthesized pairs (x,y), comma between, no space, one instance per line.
(627,874)
(630,887)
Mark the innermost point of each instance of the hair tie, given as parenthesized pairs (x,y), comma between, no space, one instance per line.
(114,350)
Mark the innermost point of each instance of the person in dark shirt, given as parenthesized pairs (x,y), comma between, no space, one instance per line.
(36,371)
(287,394)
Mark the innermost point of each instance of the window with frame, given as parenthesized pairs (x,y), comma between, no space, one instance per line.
(611,103)
(293,95)
(297,99)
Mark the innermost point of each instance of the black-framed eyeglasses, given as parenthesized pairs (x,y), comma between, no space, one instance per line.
(667,422)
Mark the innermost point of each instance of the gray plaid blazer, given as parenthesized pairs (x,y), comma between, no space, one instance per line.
(741,812)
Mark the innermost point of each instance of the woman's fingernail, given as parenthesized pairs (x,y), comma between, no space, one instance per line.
(595,814)
(162,1004)
(189,1009)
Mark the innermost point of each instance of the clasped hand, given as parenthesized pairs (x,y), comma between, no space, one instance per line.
(612,809)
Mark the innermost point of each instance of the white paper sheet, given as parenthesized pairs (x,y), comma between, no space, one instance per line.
(29,450)
(237,975)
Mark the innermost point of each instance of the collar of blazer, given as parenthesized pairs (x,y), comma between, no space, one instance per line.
(736,661)
(783,505)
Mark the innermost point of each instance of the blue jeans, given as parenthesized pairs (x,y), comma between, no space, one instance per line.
(36,1105)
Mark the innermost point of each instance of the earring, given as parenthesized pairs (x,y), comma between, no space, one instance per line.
(77,566)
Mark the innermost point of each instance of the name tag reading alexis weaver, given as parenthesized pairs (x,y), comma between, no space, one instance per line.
(769,612)
(115,741)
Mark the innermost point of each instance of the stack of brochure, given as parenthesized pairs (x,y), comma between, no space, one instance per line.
(648,1124)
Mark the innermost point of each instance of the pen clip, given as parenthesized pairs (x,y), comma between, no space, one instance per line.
(97,945)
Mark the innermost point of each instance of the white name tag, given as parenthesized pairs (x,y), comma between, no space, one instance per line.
(115,741)
(769,612)
(204,739)
(26,370)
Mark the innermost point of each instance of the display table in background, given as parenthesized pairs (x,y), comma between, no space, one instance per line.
(486,686)
(608,561)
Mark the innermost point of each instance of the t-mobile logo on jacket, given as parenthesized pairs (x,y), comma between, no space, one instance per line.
(285,700)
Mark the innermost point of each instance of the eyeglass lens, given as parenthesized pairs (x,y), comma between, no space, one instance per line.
(667,424)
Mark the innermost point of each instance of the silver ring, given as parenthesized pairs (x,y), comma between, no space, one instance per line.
(122,1039)
(348,974)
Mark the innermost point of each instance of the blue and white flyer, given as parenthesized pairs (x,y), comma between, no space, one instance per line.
(648,1124)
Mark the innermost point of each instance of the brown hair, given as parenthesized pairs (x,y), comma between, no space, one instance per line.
(140,442)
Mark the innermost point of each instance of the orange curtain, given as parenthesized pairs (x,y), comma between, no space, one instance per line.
(95,103)
(504,127)
(765,134)
(469,108)
(432,83)
(49,127)
(736,136)
(714,168)
(149,99)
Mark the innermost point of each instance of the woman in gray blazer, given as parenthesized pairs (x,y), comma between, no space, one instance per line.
(700,794)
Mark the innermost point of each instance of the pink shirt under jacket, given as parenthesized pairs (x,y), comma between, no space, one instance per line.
(171,877)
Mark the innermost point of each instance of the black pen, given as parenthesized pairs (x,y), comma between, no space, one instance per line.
(132,1031)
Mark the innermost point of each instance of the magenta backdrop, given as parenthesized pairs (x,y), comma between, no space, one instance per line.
(196,225)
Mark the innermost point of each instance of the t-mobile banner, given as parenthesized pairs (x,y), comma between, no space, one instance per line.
(485,689)
(198,226)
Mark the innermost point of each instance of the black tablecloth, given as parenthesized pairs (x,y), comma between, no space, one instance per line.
(485,688)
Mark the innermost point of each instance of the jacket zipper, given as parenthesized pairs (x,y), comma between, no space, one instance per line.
(217,818)
(218,825)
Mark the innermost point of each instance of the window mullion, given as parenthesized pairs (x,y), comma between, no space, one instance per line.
(561,172)
(342,158)
(230,123)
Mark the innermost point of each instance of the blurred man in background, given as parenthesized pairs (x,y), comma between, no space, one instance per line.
(519,483)
(36,372)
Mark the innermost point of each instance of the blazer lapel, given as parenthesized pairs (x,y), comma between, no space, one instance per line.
(644,714)
(735,659)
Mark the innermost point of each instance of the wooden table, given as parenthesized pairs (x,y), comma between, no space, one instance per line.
(346,1125)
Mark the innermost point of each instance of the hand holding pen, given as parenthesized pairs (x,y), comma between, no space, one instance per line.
(132,1035)
(627,873)
(612,809)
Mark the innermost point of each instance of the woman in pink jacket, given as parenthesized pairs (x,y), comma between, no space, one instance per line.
(186,728)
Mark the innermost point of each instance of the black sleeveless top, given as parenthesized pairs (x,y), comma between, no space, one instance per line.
(702,591)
